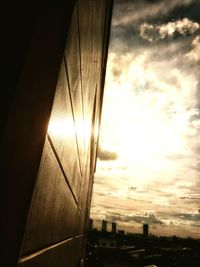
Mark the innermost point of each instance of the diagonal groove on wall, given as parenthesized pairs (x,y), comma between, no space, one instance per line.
(45,249)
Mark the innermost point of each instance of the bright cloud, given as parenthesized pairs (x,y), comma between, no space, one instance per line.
(194,54)
(156,32)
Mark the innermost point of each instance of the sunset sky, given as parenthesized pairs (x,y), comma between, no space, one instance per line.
(148,168)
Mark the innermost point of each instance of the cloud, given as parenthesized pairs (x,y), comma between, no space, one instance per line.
(187,218)
(183,27)
(131,12)
(194,54)
(106,155)
(153,90)
(137,218)
(191,197)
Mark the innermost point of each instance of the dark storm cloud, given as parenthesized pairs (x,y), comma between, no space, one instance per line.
(127,12)
(106,155)
(190,11)
(130,15)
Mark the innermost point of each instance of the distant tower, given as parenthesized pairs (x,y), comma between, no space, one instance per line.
(121,232)
(145,229)
(104,226)
(90,225)
(114,228)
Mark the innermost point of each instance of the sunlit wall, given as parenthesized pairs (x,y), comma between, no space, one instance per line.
(59,208)
(61,200)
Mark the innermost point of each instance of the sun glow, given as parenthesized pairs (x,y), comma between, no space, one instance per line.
(149,122)
(61,128)
(65,128)
(140,132)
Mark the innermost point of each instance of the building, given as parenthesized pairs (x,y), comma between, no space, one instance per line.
(107,243)
(90,225)
(114,227)
(104,226)
(54,68)
(145,229)
(121,232)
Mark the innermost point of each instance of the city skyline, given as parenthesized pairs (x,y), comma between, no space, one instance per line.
(148,160)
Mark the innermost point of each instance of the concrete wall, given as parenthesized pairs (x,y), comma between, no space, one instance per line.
(51,134)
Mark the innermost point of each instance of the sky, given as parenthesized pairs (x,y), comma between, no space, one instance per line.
(148,168)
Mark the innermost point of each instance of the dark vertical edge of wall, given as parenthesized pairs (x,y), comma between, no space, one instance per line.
(24,135)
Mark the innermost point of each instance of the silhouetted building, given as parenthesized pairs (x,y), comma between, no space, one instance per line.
(104,226)
(54,69)
(145,229)
(90,225)
(107,242)
(121,232)
(114,227)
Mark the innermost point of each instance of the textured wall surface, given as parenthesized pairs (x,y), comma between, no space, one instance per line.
(54,64)
(58,215)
